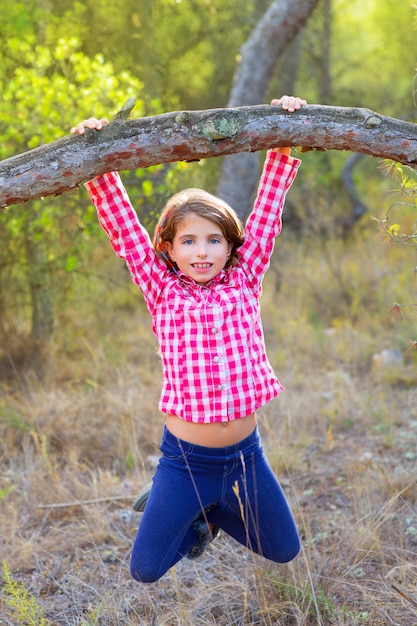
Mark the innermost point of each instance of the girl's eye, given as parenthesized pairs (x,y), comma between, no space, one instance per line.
(214,240)
(187,242)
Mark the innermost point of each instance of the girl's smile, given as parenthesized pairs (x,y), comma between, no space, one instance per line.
(199,248)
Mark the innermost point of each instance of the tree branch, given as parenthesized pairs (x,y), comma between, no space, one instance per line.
(193,135)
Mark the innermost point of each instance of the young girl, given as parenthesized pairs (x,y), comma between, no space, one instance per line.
(202,280)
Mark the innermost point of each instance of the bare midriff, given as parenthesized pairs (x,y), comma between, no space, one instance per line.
(213,435)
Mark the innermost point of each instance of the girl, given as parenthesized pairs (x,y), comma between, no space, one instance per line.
(202,280)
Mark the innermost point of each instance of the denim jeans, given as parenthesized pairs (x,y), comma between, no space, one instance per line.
(250,504)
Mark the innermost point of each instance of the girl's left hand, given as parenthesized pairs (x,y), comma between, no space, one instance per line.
(92,122)
(289,103)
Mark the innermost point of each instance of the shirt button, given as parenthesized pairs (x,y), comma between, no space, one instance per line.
(219,387)
(216,359)
(213,330)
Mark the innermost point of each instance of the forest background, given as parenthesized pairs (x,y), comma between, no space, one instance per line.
(79,371)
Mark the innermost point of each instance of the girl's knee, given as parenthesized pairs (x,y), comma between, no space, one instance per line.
(145,568)
(288,552)
(144,574)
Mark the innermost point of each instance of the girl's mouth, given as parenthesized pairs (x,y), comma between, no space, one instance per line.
(201,266)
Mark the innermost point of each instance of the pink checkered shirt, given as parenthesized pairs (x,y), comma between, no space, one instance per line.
(215,366)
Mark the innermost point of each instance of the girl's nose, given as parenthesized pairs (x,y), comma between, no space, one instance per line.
(202,251)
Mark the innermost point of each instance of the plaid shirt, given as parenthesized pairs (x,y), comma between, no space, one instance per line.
(215,366)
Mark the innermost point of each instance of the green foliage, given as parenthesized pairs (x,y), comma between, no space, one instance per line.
(150,189)
(403,209)
(5,492)
(398,224)
(25,609)
(317,603)
(183,50)
(364,70)
(54,71)
(50,90)
(13,419)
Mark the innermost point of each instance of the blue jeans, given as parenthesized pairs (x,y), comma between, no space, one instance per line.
(250,504)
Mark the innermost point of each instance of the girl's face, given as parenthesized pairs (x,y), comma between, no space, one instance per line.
(199,248)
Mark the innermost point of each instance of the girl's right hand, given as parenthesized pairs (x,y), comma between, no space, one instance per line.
(92,122)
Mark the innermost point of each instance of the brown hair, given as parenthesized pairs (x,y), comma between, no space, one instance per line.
(203,204)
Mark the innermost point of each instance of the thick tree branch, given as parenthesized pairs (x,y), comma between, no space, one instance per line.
(192,135)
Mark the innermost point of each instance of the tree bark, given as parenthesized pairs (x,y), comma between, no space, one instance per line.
(193,135)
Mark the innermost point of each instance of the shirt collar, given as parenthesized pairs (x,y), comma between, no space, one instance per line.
(221,278)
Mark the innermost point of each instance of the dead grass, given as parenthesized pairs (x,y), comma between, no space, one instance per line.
(342,439)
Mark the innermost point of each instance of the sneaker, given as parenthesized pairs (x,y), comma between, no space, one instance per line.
(206,534)
(142,499)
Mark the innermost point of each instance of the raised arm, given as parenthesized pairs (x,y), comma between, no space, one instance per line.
(264,223)
(128,237)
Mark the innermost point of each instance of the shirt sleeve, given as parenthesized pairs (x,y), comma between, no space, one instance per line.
(128,237)
(264,223)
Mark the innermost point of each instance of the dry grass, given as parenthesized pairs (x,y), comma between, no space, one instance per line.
(342,439)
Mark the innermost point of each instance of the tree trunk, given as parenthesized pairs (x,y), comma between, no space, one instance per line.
(289,64)
(189,136)
(40,293)
(36,347)
(358,208)
(273,34)
(325,82)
